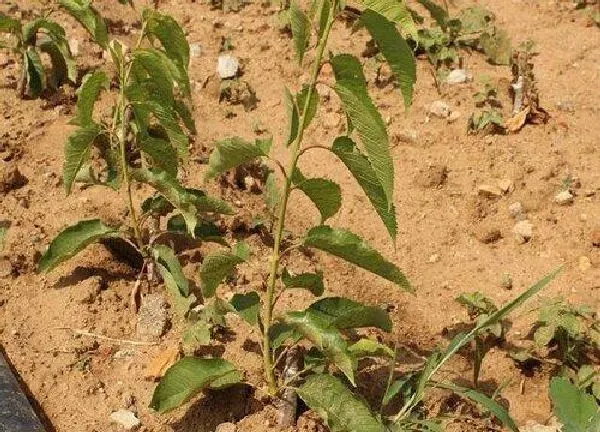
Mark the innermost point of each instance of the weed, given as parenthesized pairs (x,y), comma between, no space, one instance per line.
(29,40)
(141,141)
(488,115)
(576,409)
(324,375)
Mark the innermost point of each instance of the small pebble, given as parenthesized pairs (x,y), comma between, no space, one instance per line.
(523,231)
(489,191)
(227,66)
(126,418)
(506,282)
(584,263)
(516,209)
(440,109)
(434,258)
(457,76)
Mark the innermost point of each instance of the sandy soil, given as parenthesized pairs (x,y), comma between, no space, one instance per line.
(444,225)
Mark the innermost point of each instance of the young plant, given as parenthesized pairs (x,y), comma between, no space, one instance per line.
(141,141)
(479,308)
(28,41)
(327,325)
(488,115)
(572,333)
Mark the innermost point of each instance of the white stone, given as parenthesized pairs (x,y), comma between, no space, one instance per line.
(439,109)
(457,76)
(227,66)
(126,418)
(516,209)
(523,231)
(563,198)
(74,46)
(195,50)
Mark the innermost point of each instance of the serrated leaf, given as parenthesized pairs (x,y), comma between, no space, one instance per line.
(300,29)
(358,164)
(487,403)
(346,67)
(577,410)
(161,153)
(188,377)
(149,71)
(198,334)
(77,151)
(312,282)
(73,240)
(341,410)
(170,188)
(438,13)
(166,117)
(370,126)
(325,195)
(170,34)
(395,50)
(477,303)
(185,114)
(344,313)
(231,153)
(397,12)
(293,118)
(179,302)
(301,98)
(215,268)
(166,256)
(370,348)
(350,247)
(318,330)
(90,19)
(35,73)
(247,306)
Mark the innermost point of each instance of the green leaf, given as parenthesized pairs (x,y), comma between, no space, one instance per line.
(301,98)
(324,12)
(247,306)
(315,327)
(346,67)
(395,50)
(31,29)
(293,118)
(149,72)
(170,34)
(73,240)
(89,18)
(438,13)
(162,154)
(368,122)
(215,268)
(242,250)
(344,313)
(358,164)
(280,332)
(397,12)
(350,247)
(63,66)
(206,231)
(341,410)
(325,195)
(188,377)
(3,230)
(77,151)
(208,204)
(370,348)
(544,335)
(477,303)
(197,334)
(300,29)
(312,282)
(35,73)
(272,192)
(170,188)
(577,410)
(497,47)
(489,404)
(166,256)
(231,153)
(10,25)
(181,303)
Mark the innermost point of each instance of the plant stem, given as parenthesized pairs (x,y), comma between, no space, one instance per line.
(275,256)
